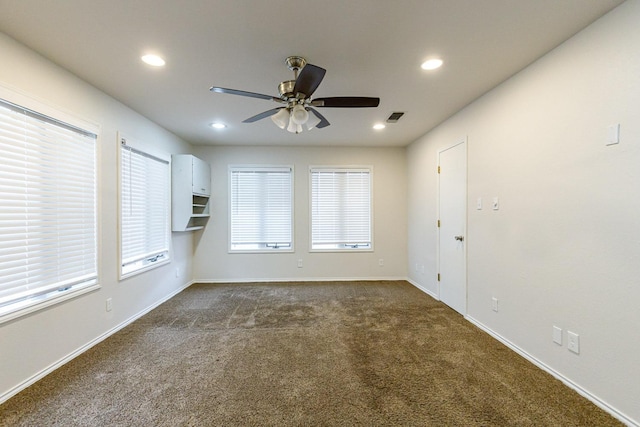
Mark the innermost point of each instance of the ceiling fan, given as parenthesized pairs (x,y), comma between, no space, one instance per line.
(295,96)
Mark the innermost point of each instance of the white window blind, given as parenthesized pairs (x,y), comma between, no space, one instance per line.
(144,215)
(340,208)
(260,208)
(48,246)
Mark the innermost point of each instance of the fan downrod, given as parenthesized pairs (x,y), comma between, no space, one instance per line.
(295,64)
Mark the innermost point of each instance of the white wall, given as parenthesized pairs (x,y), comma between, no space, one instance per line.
(32,344)
(564,248)
(213,262)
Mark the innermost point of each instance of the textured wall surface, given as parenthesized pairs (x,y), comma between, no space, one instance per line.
(213,262)
(34,343)
(563,248)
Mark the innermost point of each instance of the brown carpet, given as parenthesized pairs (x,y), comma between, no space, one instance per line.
(304,354)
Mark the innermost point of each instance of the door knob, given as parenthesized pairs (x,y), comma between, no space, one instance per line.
(459,238)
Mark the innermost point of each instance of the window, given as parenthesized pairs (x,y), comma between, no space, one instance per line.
(144,209)
(341,209)
(260,209)
(48,225)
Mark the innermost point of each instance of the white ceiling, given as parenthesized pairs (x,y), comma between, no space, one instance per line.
(368,47)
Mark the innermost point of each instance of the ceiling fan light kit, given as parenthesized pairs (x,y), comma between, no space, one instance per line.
(281,118)
(312,122)
(294,128)
(299,115)
(296,95)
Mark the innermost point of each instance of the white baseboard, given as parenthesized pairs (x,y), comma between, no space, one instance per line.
(423,289)
(601,404)
(298,279)
(29,381)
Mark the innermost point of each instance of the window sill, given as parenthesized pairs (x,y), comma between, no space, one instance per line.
(261,251)
(23,308)
(147,267)
(343,250)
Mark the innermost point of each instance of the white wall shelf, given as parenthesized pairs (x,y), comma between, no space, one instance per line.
(190,192)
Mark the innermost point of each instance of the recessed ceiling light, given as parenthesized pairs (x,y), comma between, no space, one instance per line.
(379,126)
(431,64)
(153,60)
(218,125)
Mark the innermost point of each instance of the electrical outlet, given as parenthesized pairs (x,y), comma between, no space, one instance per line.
(177,272)
(494,304)
(299,263)
(109,304)
(573,343)
(557,335)
(381,262)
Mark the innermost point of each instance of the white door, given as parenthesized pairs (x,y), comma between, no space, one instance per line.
(452,195)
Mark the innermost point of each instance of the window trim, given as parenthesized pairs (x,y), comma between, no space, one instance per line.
(144,149)
(57,115)
(329,168)
(266,250)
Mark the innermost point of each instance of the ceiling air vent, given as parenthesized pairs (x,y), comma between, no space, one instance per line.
(394,117)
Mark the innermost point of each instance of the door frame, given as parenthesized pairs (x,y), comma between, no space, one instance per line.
(460,141)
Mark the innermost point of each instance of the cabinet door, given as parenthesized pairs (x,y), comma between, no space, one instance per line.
(201,177)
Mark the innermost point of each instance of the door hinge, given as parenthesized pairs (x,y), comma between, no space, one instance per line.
(438,168)
(438,277)
(438,223)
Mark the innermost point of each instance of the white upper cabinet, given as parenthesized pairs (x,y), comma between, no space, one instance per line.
(201,177)
(190,192)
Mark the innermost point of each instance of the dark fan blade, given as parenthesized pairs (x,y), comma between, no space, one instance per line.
(262,115)
(243,93)
(346,102)
(323,122)
(309,80)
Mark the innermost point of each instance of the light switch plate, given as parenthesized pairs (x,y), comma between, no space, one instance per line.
(613,134)
(496,204)
(479,204)
(557,335)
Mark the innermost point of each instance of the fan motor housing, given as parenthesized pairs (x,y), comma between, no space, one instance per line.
(285,89)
